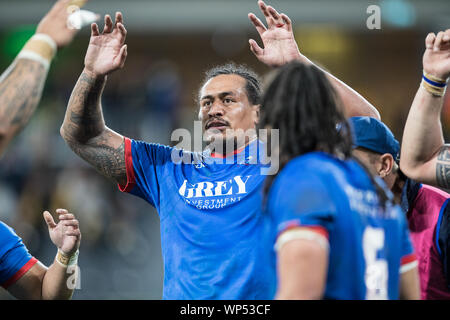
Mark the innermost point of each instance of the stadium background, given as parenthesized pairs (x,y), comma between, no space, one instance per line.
(170,44)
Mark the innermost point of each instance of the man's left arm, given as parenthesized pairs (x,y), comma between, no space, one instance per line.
(280,48)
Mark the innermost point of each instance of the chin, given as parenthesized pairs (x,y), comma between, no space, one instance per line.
(215,137)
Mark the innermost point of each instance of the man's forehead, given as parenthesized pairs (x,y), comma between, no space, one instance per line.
(223,83)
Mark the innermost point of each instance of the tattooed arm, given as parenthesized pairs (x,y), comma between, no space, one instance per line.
(84,128)
(85,132)
(20,92)
(424,156)
(22,83)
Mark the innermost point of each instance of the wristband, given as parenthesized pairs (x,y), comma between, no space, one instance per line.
(41,48)
(434,85)
(66,260)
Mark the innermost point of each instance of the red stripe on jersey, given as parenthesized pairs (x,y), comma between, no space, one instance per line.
(408,258)
(131,182)
(27,266)
(223,156)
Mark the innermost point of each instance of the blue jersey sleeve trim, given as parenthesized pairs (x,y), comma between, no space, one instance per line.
(438,226)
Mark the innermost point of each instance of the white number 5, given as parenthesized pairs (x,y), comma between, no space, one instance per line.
(376,275)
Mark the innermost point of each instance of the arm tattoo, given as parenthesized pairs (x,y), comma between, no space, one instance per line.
(443,167)
(20,93)
(85,132)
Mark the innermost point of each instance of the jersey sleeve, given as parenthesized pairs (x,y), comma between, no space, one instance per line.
(301,201)
(144,164)
(408,257)
(443,240)
(15,260)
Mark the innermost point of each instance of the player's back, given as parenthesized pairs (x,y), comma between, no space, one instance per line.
(366,243)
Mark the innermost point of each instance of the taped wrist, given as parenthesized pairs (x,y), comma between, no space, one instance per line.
(434,85)
(67,260)
(41,48)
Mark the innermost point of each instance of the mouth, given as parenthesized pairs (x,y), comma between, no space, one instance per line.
(216,124)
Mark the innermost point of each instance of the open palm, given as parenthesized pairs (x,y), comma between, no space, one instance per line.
(278,39)
(107,51)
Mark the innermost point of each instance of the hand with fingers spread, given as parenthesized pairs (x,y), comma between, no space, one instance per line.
(436,59)
(66,233)
(278,39)
(107,51)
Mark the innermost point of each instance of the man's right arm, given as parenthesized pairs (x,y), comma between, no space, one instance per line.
(84,128)
(85,132)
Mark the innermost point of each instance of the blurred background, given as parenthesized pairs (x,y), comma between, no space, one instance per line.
(170,44)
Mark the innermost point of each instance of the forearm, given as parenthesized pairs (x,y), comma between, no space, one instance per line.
(354,104)
(20,92)
(84,118)
(422,137)
(59,282)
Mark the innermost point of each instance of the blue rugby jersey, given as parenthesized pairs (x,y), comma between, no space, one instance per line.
(212,224)
(15,260)
(336,199)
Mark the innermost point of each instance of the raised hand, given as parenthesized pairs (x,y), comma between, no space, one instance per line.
(107,51)
(278,39)
(436,59)
(65,234)
(55,24)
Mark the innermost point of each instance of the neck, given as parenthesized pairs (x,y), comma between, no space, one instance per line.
(397,188)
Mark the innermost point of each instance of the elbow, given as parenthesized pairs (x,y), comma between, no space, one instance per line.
(411,170)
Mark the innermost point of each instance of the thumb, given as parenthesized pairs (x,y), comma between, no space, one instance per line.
(49,220)
(255,48)
(122,56)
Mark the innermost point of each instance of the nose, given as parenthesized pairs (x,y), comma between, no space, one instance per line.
(216,110)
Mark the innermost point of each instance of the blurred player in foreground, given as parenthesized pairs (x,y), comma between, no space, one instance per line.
(338,234)
(210,211)
(426,208)
(20,92)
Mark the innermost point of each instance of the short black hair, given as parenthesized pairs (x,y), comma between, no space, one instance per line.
(253,87)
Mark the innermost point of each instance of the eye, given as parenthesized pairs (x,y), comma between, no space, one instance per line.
(206,103)
(228,100)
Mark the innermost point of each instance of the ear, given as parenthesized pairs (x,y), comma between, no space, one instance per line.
(386,165)
(256,108)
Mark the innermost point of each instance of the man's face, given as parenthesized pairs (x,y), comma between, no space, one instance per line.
(224,105)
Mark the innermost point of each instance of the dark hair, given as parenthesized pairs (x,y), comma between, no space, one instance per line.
(253,86)
(304,106)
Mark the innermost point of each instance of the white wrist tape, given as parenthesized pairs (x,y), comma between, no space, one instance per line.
(80,19)
(41,48)
(65,260)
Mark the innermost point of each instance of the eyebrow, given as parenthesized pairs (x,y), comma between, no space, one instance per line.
(221,95)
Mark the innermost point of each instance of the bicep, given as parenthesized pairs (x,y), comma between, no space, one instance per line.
(409,285)
(29,286)
(302,267)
